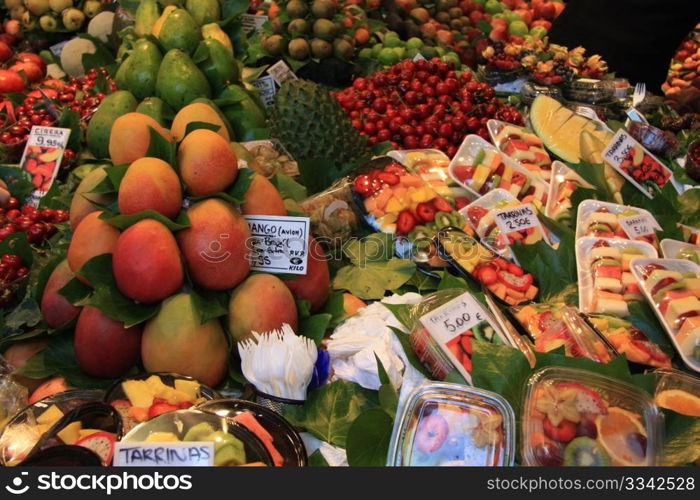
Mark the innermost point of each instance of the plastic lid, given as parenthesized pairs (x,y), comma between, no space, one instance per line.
(531,90)
(677,391)
(580,418)
(454,425)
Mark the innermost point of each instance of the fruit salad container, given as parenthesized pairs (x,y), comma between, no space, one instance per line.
(521,145)
(690,234)
(453,425)
(444,325)
(333,214)
(610,220)
(577,338)
(142,397)
(629,340)
(672,288)
(234,444)
(673,249)
(575,417)
(605,283)
(279,436)
(506,325)
(498,230)
(531,90)
(653,138)
(95,426)
(481,167)
(562,184)
(432,166)
(505,279)
(537,318)
(590,91)
(23,432)
(271,157)
(677,391)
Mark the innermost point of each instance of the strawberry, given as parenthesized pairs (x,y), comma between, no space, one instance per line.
(517,283)
(388,178)
(515,269)
(587,400)
(395,168)
(363,185)
(442,205)
(487,275)
(405,222)
(564,432)
(160,408)
(425,212)
(546,320)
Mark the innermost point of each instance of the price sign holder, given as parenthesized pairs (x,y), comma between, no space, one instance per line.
(278,245)
(267,88)
(519,218)
(42,158)
(636,226)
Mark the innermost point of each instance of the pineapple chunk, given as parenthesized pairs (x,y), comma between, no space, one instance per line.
(173,396)
(70,434)
(162,437)
(156,384)
(139,392)
(189,387)
(87,432)
(50,416)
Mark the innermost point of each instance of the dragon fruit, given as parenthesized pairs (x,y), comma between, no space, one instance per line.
(102,443)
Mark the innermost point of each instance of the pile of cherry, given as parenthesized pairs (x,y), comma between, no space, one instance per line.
(39,224)
(423,104)
(12,269)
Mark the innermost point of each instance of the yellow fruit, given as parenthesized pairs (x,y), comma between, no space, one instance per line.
(679,401)
(50,416)
(138,392)
(614,429)
(70,434)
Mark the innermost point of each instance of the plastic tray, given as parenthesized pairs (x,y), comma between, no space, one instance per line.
(556,206)
(495,126)
(669,382)
(436,174)
(670,249)
(587,207)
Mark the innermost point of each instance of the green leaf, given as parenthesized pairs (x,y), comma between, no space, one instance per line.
(210,304)
(314,327)
(388,397)
(335,306)
(161,148)
(377,247)
(25,314)
(17,244)
(316,459)
(381,371)
(71,119)
(289,188)
(422,283)
(368,439)
(75,291)
(617,368)
(330,410)
(124,221)
(371,281)
(456,378)
(192,126)
(682,445)
(45,269)
(107,297)
(232,8)
(240,187)
(115,174)
(594,174)
(405,341)
(643,317)
(402,312)
(553,269)
(18,181)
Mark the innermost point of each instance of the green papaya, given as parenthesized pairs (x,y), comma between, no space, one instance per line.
(204,11)
(146,16)
(123,71)
(180,81)
(144,63)
(112,107)
(157,109)
(246,117)
(212,105)
(180,31)
(216,63)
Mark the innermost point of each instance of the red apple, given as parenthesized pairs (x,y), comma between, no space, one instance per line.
(465,5)
(545,10)
(499,23)
(445,37)
(31,57)
(13,27)
(517,40)
(5,52)
(525,15)
(31,70)
(498,34)
(541,22)
(475,16)
(10,81)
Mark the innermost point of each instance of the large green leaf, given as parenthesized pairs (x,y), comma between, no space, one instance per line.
(371,281)
(368,439)
(682,444)
(123,221)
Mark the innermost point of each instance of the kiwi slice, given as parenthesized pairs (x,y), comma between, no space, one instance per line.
(673,286)
(584,451)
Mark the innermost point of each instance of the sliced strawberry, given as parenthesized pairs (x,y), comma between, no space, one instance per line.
(564,432)
(476,213)
(388,178)
(587,400)
(425,212)
(442,205)
(395,168)
(517,283)
(461,202)
(405,222)
(160,408)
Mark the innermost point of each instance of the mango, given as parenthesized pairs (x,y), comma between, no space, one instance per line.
(214,246)
(147,13)
(204,11)
(142,69)
(218,66)
(70,434)
(103,347)
(261,303)
(156,109)
(262,198)
(146,262)
(91,238)
(180,81)
(179,31)
(351,305)
(99,129)
(150,183)
(315,284)
(198,112)
(206,162)
(131,137)
(84,201)
(214,31)
(176,340)
(55,308)
(158,25)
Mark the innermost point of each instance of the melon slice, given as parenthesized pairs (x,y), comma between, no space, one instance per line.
(565,142)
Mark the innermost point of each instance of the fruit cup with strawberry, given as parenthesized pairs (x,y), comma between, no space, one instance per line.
(574,417)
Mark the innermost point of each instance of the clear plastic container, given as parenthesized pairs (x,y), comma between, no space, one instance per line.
(505,279)
(603,220)
(579,418)
(432,165)
(334,218)
(672,288)
(673,249)
(480,167)
(605,283)
(233,443)
(272,157)
(444,324)
(453,425)
(654,139)
(531,90)
(690,234)
(562,184)
(590,91)
(536,318)
(629,340)
(577,338)
(677,391)
(521,145)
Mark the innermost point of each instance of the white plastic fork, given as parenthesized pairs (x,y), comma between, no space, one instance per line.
(640,90)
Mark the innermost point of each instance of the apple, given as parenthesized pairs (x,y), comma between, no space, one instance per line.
(407,5)
(445,37)
(49,388)
(32,58)
(493,6)
(499,23)
(5,52)
(37,7)
(48,23)
(59,6)
(8,39)
(518,28)
(12,27)
(525,15)
(475,16)
(511,16)
(73,19)
(11,4)
(545,10)
(517,40)
(92,7)
(30,70)
(10,81)
(466,6)
(539,31)
(498,34)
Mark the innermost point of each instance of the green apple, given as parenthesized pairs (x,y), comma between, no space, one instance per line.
(388,56)
(376,49)
(453,58)
(518,28)
(365,53)
(92,7)
(392,40)
(59,6)
(400,52)
(48,23)
(539,31)
(493,7)
(511,16)
(73,19)
(414,43)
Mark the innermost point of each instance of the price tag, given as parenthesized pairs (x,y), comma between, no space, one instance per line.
(42,158)
(183,454)
(267,88)
(251,23)
(453,318)
(278,244)
(280,72)
(517,218)
(636,226)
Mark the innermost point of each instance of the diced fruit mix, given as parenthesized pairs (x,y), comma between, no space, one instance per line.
(630,341)
(604,224)
(487,171)
(565,184)
(577,342)
(449,434)
(538,318)
(644,169)
(524,147)
(573,424)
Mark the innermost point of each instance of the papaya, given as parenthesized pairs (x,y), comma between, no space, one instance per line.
(143,65)
(204,11)
(112,107)
(219,66)
(146,16)
(157,109)
(180,81)
(180,31)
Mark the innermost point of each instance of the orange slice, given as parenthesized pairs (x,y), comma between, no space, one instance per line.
(679,401)
(616,432)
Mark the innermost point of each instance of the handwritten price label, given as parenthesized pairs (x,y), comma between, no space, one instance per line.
(42,158)
(636,226)
(267,90)
(453,318)
(184,454)
(618,148)
(517,218)
(278,244)
(281,72)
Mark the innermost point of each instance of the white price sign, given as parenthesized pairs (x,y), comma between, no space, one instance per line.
(182,454)
(453,318)
(278,244)
(619,148)
(251,23)
(281,72)
(267,88)
(517,218)
(42,158)
(636,226)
